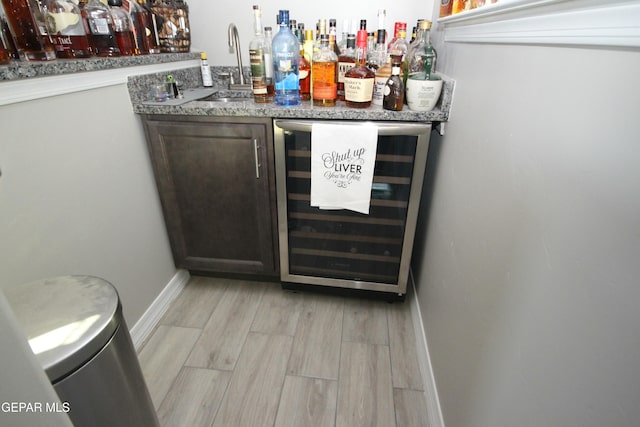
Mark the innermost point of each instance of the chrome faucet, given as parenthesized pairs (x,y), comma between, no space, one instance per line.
(234,42)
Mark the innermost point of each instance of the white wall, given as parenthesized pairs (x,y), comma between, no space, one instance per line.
(527,267)
(209,20)
(77,196)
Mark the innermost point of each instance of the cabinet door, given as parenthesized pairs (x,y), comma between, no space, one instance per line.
(216,188)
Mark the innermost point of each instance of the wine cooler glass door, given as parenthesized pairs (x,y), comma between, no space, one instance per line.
(344,248)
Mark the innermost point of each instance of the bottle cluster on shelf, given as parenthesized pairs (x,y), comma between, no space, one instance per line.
(452,7)
(361,68)
(43,30)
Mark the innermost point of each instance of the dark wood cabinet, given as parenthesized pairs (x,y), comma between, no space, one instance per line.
(216,182)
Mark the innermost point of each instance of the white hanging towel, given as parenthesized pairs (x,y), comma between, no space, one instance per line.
(342,162)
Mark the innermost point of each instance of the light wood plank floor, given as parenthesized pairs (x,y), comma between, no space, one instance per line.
(242,353)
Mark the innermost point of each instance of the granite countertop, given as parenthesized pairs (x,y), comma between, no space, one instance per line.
(190,78)
(17,70)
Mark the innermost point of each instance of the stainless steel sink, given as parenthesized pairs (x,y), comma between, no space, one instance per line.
(220,98)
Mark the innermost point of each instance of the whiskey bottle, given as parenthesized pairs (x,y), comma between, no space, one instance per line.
(346,61)
(29,30)
(143,28)
(66,28)
(394,87)
(5,56)
(152,30)
(100,24)
(358,81)
(5,53)
(324,75)
(123,29)
(286,57)
(7,38)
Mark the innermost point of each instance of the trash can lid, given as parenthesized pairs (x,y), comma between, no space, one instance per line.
(67,319)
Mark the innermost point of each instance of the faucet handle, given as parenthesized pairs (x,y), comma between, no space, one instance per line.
(227,75)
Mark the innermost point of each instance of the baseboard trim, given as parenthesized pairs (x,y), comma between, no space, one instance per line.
(430,391)
(143,327)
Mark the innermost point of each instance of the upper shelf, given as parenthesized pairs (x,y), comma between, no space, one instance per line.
(17,70)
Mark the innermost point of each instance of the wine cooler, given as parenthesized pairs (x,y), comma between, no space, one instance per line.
(343,248)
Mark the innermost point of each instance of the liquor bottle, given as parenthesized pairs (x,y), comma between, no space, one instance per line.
(394,87)
(458,6)
(258,61)
(342,44)
(446,7)
(27,25)
(268,61)
(100,24)
(382,69)
(286,56)
(66,28)
(378,57)
(5,51)
(396,28)
(5,56)
(428,62)
(324,75)
(413,59)
(377,49)
(321,29)
(142,26)
(205,70)
(333,37)
(358,81)
(382,14)
(304,68)
(6,36)
(123,29)
(308,45)
(399,44)
(371,43)
(152,33)
(345,62)
(300,32)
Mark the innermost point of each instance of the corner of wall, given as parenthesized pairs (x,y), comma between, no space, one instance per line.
(430,390)
(144,326)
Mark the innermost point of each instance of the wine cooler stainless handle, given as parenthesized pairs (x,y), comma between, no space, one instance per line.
(255,153)
(384,128)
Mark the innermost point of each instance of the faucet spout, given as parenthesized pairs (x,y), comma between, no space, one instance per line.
(234,42)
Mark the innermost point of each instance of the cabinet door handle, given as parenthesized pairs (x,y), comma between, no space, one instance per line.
(255,153)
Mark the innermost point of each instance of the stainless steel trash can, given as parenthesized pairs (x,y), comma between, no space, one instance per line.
(76,329)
